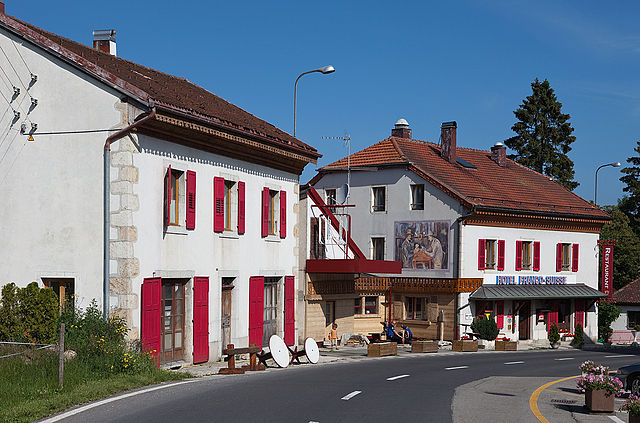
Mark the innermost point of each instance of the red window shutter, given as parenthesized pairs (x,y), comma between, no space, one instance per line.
(500,314)
(283,214)
(579,306)
(240,207)
(289,311)
(574,258)
(501,254)
(265,211)
(553,314)
(151,316)
(218,200)
(536,256)
(256,309)
(481,251)
(200,319)
(559,258)
(191,199)
(167,197)
(518,255)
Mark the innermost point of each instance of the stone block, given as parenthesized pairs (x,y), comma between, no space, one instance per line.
(128,301)
(128,267)
(128,233)
(123,218)
(121,187)
(120,249)
(129,202)
(114,202)
(121,158)
(119,285)
(128,173)
(127,144)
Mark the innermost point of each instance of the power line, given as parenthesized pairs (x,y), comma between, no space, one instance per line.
(23,61)
(14,69)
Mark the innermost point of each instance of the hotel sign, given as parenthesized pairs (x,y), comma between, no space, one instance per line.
(529,279)
(606,274)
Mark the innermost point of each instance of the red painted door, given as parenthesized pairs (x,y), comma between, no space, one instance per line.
(200,319)
(151,316)
(289,310)
(256,309)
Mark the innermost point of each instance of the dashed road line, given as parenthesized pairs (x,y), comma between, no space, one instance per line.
(508,363)
(619,355)
(456,368)
(564,359)
(351,395)
(397,377)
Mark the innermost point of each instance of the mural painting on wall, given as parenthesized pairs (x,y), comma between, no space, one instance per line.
(422,244)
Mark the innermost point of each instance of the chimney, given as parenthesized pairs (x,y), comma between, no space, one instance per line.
(499,154)
(104,40)
(1,6)
(401,129)
(448,141)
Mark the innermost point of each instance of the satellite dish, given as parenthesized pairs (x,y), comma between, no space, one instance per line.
(343,194)
(311,350)
(279,351)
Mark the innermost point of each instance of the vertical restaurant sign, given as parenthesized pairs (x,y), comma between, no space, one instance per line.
(606,279)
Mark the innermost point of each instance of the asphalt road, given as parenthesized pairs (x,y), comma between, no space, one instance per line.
(411,388)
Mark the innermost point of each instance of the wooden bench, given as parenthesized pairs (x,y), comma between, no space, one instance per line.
(622,337)
(381,349)
(424,346)
(231,353)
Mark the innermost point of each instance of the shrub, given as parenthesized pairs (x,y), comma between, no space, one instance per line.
(485,327)
(578,339)
(28,314)
(632,405)
(607,314)
(589,367)
(553,335)
(593,382)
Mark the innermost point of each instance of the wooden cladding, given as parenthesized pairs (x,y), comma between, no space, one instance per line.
(552,223)
(380,286)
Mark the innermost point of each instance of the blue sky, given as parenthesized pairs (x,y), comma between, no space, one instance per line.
(427,62)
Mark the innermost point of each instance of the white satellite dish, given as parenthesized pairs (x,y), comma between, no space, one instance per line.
(343,194)
(279,351)
(311,350)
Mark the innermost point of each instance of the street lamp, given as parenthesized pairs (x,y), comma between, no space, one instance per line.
(324,70)
(595,197)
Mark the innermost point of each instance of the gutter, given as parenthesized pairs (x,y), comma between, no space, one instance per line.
(107,205)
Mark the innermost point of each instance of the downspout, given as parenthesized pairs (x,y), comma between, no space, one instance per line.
(107,206)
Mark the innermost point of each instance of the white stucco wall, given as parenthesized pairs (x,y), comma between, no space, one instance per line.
(52,222)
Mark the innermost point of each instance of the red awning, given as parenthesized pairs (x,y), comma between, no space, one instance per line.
(353,266)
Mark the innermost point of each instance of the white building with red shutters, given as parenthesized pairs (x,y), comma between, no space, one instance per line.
(475,233)
(165,203)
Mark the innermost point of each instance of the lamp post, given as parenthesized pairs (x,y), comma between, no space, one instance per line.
(324,70)
(595,196)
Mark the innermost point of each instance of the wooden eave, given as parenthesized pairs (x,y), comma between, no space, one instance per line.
(218,140)
(523,220)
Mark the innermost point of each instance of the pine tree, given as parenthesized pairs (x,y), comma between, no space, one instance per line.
(543,135)
(630,204)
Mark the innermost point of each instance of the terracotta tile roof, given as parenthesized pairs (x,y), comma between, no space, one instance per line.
(512,187)
(154,86)
(628,294)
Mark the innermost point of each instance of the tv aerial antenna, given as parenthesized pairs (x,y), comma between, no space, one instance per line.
(347,187)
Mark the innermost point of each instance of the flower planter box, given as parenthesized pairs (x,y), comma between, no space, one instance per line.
(506,345)
(599,401)
(381,349)
(634,419)
(424,346)
(464,346)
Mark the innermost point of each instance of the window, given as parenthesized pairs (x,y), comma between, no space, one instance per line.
(64,289)
(270,316)
(357,306)
(273,198)
(377,248)
(379,199)
(417,197)
(567,257)
(174,201)
(228,201)
(414,307)
(490,254)
(633,319)
(331,196)
(524,254)
(173,320)
(370,305)
(179,199)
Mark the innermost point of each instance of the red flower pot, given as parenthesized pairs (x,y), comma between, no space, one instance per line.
(599,400)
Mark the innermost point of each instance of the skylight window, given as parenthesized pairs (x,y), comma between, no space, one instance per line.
(465,163)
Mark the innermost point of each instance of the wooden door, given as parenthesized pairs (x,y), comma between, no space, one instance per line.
(524,319)
(172,320)
(200,319)
(226,316)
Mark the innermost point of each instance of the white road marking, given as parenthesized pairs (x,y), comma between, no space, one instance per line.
(456,368)
(563,359)
(514,362)
(397,377)
(108,400)
(351,395)
(619,355)
(615,419)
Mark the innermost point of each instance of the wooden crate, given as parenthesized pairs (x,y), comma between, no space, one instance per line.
(506,346)
(381,349)
(464,346)
(424,346)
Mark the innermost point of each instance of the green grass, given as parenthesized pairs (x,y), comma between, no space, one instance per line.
(29,387)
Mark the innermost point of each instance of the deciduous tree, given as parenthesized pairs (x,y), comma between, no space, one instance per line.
(630,203)
(626,253)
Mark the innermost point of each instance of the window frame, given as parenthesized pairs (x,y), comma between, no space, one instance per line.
(375,306)
(331,196)
(274,212)
(176,195)
(357,306)
(375,207)
(230,193)
(417,205)
(375,247)
(629,320)
(490,246)
(568,255)
(416,308)
(527,255)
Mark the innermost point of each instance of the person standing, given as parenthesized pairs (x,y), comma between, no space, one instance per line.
(333,335)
